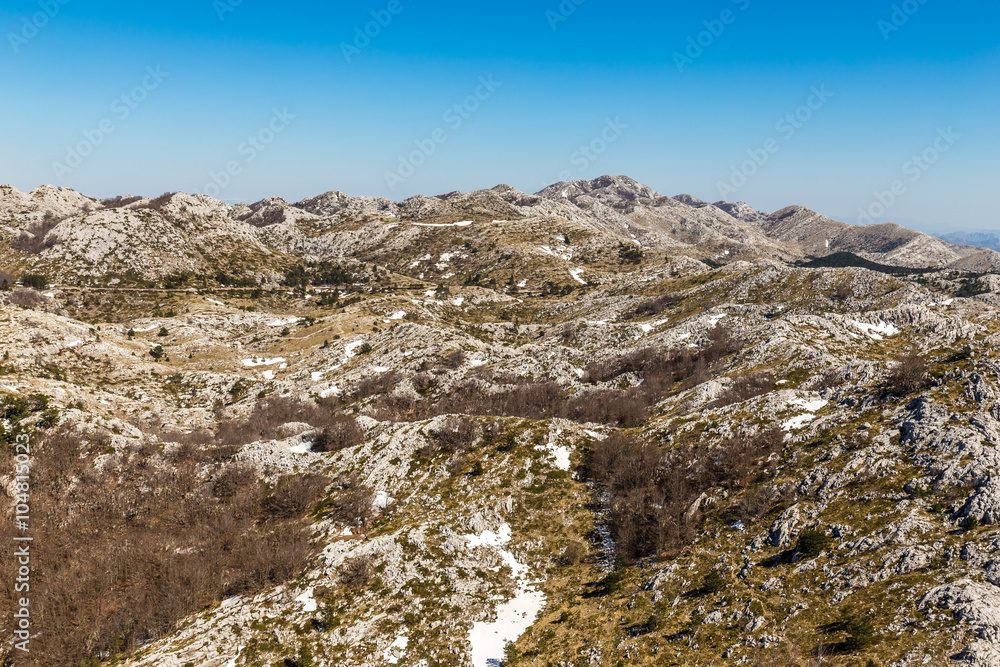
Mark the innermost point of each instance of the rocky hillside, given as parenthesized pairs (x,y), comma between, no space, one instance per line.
(592,426)
(140,241)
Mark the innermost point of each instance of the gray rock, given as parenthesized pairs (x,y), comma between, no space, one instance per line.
(783,528)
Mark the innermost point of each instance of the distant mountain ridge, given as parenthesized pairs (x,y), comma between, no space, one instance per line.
(990,240)
(72,234)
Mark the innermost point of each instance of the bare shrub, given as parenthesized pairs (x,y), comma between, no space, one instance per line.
(830,379)
(507,395)
(909,375)
(294,495)
(369,387)
(268,416)
(232,480)
(744,388)
(567,332)
(572,554)
(655,306)
(350,502)
(422,382)
(34,240)
(650,494)
(124,551)
(7,280)
(356,573)
(457,434)
(454,360)
(343,433)
(755,503)
(25,297)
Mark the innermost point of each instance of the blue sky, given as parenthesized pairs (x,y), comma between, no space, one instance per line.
(248,99)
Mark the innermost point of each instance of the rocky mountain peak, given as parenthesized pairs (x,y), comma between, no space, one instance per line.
(741,211)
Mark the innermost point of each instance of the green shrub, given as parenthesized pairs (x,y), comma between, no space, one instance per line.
(713,583)
(860,634)
(812,543)
(34,281)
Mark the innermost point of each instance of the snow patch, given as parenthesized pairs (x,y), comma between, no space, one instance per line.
(309,603)
(218,303)
(797,422)
(463,223)
(576,276)
(304,448)
(257,361)
(382,500)
(876,331)
(395,650)
(489,638)
(811,406)
(559,454)
(459,301)
(281,323)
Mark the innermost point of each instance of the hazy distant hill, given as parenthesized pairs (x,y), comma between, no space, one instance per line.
(989,240)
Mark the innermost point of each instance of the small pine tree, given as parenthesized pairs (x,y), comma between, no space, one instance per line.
(713,583)
(163,333)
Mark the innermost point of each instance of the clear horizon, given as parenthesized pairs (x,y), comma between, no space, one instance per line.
(865,112)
